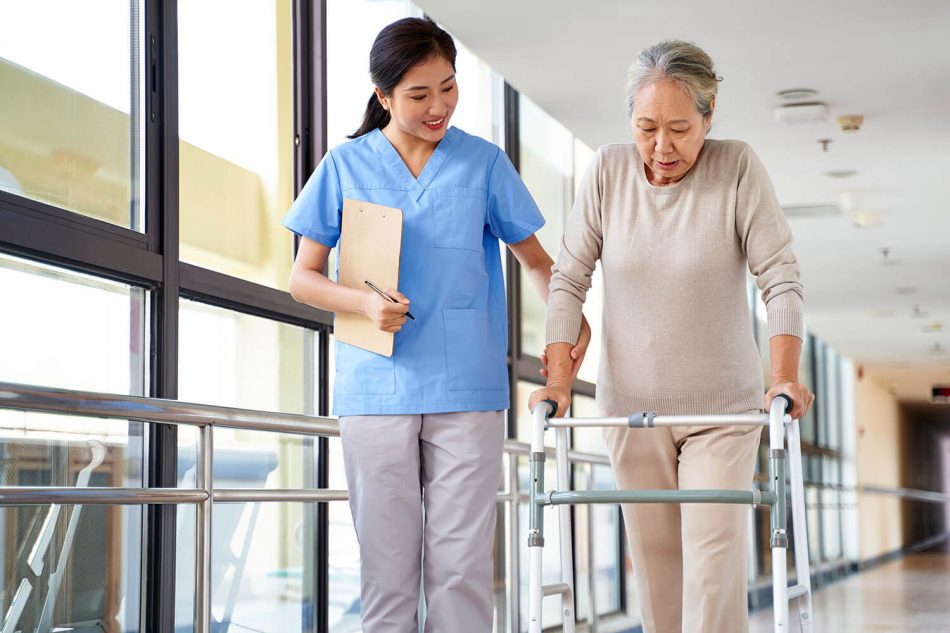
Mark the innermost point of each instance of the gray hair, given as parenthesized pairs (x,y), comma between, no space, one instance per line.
(685,64)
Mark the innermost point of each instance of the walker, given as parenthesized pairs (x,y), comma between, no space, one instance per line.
(779,425)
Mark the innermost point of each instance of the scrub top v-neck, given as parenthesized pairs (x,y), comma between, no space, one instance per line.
(467,197)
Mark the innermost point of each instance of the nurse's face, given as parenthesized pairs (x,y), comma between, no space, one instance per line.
(422,104)
(668,130)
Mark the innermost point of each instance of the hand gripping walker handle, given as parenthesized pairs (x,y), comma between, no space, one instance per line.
(788,399)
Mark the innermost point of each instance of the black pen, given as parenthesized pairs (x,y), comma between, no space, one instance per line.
(385,296)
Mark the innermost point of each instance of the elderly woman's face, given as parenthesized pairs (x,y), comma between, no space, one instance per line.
(668,130)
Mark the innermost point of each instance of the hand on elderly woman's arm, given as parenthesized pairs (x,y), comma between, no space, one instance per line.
(786,351)
(561,374)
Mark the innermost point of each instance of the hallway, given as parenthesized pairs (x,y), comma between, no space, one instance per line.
(910,595)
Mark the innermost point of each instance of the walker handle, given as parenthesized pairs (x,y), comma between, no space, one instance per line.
(787,398)
(553,408)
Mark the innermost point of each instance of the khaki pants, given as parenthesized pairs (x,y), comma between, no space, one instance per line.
(450,465)
(690,560)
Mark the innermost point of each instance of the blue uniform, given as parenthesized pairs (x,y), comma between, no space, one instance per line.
(468,196)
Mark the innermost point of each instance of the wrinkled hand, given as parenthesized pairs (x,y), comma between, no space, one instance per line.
(561,394)
(802,399)
(385,315)
(577,354)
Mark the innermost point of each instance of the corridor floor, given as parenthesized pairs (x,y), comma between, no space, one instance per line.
(909,595)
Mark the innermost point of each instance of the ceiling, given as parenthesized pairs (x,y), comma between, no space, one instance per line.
(887,61)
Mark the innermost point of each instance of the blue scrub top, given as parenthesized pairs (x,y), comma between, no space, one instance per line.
(468,196)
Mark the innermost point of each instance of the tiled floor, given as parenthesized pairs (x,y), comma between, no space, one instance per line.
(910,595)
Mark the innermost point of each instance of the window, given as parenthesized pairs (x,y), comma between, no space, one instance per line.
(236,137)
(547,168)
(69,134)
(263,554)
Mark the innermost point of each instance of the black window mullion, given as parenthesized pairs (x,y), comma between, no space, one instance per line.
(161,203)
(513,268)
(310,144)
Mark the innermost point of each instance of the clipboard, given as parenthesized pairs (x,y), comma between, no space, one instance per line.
(370,243)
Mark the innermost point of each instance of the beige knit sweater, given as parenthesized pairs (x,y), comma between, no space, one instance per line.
(677,334)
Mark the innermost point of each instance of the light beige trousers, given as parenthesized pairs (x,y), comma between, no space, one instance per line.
(450,465)
(690,560)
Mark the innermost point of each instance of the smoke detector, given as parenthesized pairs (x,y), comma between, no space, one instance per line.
(803,112)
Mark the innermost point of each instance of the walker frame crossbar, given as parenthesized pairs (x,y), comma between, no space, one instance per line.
(781,429)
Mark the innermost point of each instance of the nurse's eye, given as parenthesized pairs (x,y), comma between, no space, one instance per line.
(419,98)
(449,88)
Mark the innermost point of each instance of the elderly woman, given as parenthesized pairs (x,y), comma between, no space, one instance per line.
(675,220)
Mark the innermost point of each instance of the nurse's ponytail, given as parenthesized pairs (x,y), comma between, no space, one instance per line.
(397,48)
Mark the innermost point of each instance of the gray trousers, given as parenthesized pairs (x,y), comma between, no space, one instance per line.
(450,465)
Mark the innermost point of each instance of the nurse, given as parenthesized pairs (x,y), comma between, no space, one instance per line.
(423,429)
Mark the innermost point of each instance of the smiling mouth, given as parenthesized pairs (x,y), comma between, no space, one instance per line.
(669,165)
(436,123)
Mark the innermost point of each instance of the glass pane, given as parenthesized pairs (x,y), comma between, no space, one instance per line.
(606,534)
(344,557)
(70,330)
(480,108)
(264,563)
(233,359)
(263,567)
(587,439)
(67,137)
(547,168)
(236,137)
(352,25)
(68,565)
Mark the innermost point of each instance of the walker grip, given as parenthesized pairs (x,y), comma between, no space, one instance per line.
(788,399)
(553,408)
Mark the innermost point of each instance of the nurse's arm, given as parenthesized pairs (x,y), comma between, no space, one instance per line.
(309,284)
(537,264)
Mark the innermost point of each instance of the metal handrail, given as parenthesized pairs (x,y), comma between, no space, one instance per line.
(206,417)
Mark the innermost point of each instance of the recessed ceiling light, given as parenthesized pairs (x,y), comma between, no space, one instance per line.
(803,112)
(811,210)
(796,94)
(841,173)
(868,220)
(905,290)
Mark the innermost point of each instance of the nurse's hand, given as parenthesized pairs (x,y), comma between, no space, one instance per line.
(577,353)
(561,394)
(386,315)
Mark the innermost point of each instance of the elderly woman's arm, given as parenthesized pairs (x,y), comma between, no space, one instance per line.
(767,242)
(570,281)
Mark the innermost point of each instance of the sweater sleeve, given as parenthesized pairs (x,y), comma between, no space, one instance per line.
(767,244)
(580,250)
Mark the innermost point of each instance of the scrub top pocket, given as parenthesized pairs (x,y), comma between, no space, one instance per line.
(461,214)
(473,359)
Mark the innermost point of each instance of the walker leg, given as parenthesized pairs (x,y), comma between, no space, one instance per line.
(536,517)
(564,529)
(799,525)
(779,540)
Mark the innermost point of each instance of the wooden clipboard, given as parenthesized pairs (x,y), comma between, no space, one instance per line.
(370,242)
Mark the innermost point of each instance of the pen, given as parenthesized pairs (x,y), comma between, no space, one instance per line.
(385,296)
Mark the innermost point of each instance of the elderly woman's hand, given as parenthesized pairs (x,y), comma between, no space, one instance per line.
(559,393)
(578,352)
(802,398)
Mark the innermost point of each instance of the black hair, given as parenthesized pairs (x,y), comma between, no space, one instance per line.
(398,48)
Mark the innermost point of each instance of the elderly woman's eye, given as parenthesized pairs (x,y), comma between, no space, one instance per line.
(648,130)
